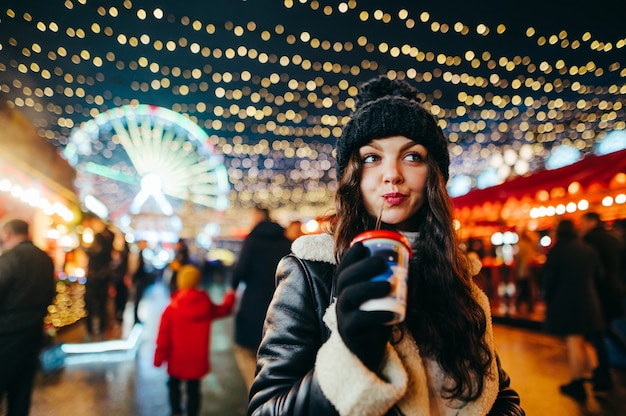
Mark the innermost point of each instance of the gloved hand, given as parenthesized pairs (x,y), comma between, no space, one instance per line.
(363,332)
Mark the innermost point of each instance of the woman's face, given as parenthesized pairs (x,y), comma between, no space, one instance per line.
(393,178)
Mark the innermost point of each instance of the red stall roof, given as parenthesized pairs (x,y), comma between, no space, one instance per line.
(589,170)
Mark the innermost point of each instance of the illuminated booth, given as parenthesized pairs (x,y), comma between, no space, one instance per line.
(492,217)
(595,183)
(36,185)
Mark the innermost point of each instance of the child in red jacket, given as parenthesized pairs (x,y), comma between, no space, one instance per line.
(184,338)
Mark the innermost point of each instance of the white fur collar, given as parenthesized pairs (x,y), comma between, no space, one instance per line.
(315,247)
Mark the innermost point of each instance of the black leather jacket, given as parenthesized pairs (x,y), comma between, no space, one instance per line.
(27,287)
(287,380)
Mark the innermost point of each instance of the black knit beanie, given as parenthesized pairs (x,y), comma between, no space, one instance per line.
(386,108)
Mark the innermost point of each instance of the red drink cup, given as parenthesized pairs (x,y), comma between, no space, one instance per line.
(396,250)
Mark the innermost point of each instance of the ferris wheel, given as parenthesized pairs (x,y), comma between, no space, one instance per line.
(146,160)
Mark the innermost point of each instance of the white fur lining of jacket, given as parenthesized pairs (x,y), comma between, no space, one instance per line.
(315,247)
(349,385)
(353,389)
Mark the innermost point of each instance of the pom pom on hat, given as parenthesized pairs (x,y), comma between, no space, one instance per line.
(188,277)
(386,108)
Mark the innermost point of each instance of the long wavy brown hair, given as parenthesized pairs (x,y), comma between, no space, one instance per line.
(443,317)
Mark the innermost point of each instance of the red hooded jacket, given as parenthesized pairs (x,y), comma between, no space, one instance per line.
(184,334)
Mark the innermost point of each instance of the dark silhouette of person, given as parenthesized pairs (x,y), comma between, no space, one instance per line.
(99,277)
(294,230)
(181,258)
(476,250)
(141,276)
(261,251)
(619,229)
(120,281)
(27,288)
(608,248)
(572,304)
(524,259)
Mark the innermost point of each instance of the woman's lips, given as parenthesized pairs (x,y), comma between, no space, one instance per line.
(394,198)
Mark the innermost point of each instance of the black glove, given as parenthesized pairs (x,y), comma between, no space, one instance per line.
(363,332)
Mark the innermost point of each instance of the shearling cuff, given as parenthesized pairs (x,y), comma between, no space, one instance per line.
(350,386)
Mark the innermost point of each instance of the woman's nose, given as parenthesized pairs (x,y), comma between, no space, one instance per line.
(392,173)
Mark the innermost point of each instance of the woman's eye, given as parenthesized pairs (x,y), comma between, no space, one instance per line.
(415,157)
(370,158)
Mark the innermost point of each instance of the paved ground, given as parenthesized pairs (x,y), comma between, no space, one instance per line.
(128,385)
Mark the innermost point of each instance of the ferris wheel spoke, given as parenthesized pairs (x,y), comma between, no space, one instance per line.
(149,137)
(187,172)
(125,141)
(138,202)
(165,205)
(158,139)
(176,192)
(110,172)
(172,154)
(204,188)
(163,145)
(205,200)
(184,162)
(137,146)
(210,177)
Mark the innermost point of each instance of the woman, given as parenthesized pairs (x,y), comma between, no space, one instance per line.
(322,355)
(572,305)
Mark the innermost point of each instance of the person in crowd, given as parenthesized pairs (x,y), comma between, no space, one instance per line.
(260,253)
(524,259)
(619,229)
(617,330)
(141,275)
(572,305)
(294,230)
(120,280)
(27,288)
(181,258)
(99,277)
(184,339)
(608,247)
(321,354)
(475,249)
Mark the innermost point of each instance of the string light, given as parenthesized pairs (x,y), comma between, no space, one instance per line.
(273,96)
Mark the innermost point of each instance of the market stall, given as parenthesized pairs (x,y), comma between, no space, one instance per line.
(491,219)
(595,183)
(36,185)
